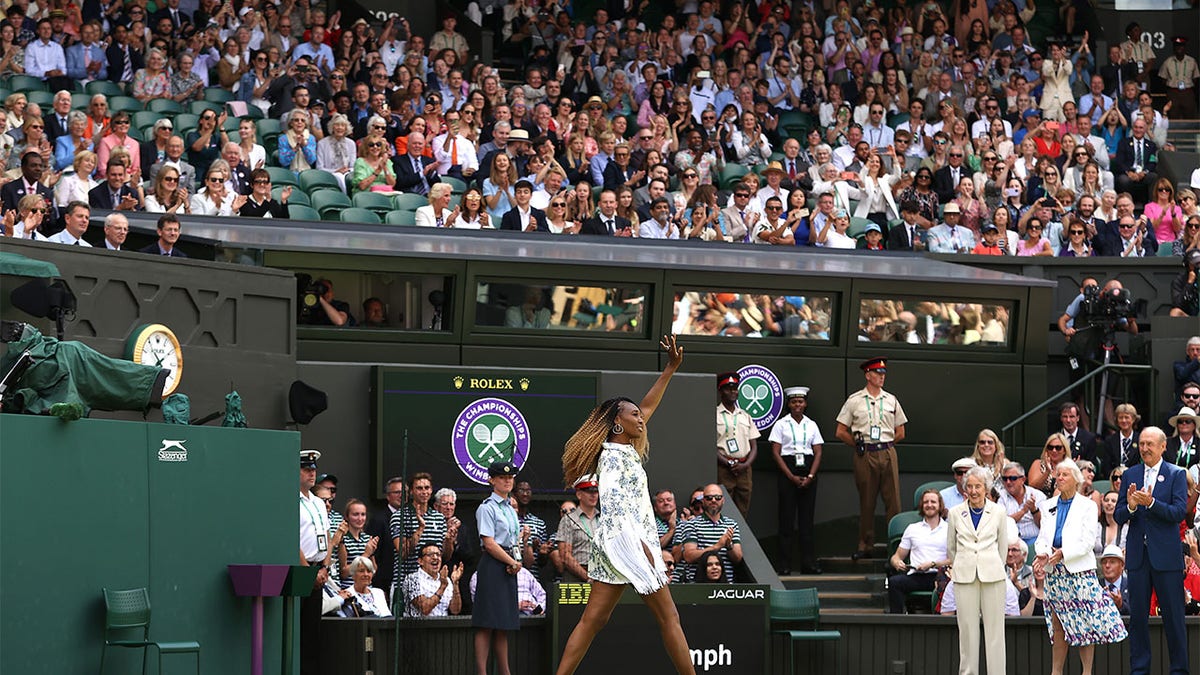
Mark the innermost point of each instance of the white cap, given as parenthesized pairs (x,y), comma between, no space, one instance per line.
(1112,551)
(964,463)
(795,391)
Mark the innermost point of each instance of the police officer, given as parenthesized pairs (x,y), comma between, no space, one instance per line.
(314,552)
(872,421)
(737,443)
(796,444)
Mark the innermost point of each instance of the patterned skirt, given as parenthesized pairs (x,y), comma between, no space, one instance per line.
(1087,614)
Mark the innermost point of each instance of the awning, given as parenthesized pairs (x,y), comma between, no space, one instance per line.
(16,264)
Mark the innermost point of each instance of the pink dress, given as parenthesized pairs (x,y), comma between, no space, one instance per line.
(1024,249)
(1170,226)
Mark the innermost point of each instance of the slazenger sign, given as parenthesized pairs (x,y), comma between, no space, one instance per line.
(489,430)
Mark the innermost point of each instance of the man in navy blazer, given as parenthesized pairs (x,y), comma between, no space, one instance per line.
(407,178)
(1153,504)
(113,194)
(513,219)
(1135,163)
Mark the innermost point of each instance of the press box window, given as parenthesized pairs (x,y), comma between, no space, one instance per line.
(375,300)
(934,322)
(753,315)
(551,306)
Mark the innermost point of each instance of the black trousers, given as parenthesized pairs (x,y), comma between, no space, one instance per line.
(310,627)
(797,506)
(900,585)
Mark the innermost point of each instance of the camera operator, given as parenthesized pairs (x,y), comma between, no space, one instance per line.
(1089,322)
(326,311)
(1185,288)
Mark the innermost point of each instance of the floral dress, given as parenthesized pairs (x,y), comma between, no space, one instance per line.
(154,86)
(625,529)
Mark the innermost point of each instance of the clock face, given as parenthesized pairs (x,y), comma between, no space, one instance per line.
(158,347)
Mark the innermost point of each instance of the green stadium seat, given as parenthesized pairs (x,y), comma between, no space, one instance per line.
(858,226)
(301,212)
(145,119)
(326,201)
(896,119)
(268,127)
(164,105)
(26,83)
(401,217)
(297,196)
(218,95)
(799,606)
(130,610)
(372,201)
(731,175)
(457,186)
(125,103)
(408,201)
(198,107)
(938,485)
(79,101)
(105,87)
(231,124)
(186,121)
(281,176)
(316,179)
(357,215)
(43,98)
(1164,249)
(254,112)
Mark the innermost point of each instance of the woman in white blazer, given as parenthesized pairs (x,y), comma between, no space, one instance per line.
(977,543)
(1078,611)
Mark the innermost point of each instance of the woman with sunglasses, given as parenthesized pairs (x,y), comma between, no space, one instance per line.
(1033,244)
(204,143)
(34,139)
(1077,245)
(259,203)
(1047,183)
(1041,471)
(76,184)
(556,215)
(372,171)
(1189,239)
(254,84)
(1163,214)
(471,213)
(214,199)
(919,189)
(298,145)
(24,221)
(989,454)
(168,196)
(1187,203)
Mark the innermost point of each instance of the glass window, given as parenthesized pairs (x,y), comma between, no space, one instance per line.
(374,300)
(553,306)
(934,322)
(755,315)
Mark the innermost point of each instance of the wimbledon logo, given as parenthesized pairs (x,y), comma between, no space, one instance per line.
(760,395)
(489,430)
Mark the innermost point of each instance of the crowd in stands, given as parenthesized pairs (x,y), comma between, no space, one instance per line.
(419,550)
(952,129)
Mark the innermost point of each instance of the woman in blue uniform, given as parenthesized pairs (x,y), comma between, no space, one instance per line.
(495,612)
(625,545)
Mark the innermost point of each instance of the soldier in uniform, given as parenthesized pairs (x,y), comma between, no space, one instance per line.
(871,421)
(796,444)
(737,441)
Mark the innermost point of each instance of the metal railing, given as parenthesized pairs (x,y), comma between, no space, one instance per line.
(1008,431)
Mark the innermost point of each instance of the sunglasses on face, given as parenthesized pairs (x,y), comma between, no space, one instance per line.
(1055,447)
(262,182)
(558,205)
(1035,228)
(690,175)
(170,179)
(1075,232)
(216,179)
(1012,479)
(713,498)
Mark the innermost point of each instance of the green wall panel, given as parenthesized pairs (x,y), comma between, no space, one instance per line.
(95,504)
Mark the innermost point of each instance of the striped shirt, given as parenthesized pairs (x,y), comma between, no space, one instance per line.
(682,569)
(354,547)
(537,534)
(704,532)
(404,524)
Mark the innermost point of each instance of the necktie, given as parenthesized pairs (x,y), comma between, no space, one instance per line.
(1112,588)
(424,186)
(791,169)
(608,223)
(1126,443)
(116,199)
(912,236)
(62,123)
(127,73)
(1137,156)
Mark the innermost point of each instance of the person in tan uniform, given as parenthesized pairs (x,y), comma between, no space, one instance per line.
(1179,72)
(737,443)
(872,422)
(1140,52)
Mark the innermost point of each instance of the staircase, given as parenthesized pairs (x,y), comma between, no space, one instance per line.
(848,586)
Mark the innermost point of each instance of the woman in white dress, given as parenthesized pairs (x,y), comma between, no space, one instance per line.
(625,546)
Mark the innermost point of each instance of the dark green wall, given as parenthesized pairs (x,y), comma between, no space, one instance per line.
(88,505)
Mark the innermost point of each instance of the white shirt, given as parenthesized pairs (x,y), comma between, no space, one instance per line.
(651,229)
(41,57)
(879,137)
(65,237)
(924,544)
(314,528)
(796,439)
(464,156)
(202,205)
(419,584)
(1026,527)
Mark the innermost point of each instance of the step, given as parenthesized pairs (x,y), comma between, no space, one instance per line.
(845,565)
(851,601)
(842,611)
(835,582)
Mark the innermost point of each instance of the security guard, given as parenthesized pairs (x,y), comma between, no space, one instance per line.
(872,422)
(737,443)
(796,444)
(314,551)
(1180,72)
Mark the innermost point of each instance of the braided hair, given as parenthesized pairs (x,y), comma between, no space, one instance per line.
(582,451)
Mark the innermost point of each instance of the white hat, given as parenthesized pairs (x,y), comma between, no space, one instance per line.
(1112,551)
(1185,413)
(963,463)
(795,391)
(952,207)
(587,481)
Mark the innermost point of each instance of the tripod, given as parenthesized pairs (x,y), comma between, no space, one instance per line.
(1109,345)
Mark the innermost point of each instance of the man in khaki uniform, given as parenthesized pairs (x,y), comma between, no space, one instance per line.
(737,443)
(1140,52)
(1179,72)
(872,422)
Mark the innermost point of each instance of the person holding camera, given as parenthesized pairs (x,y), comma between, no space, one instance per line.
(1185,289)
(331,312)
